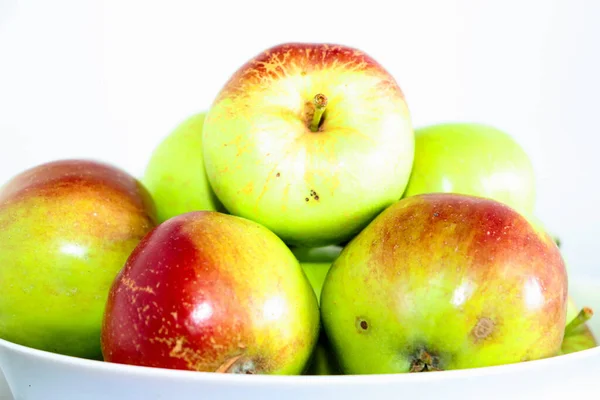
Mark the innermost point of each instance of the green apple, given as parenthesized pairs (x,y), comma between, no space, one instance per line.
(66,229)
(578,335)
(445,281)
(310,140)
(175,174)
(316,263)
(316,273)
(325,254)
(473,159)
(207,291)
(323,361)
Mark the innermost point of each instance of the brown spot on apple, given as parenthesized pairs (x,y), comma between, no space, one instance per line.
(483,329)
(361,324)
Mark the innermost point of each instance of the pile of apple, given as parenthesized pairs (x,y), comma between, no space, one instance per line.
(299,226)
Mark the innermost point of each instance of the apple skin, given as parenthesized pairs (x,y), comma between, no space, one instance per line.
(175,174)
(317,255)
(581,338)
(310,188)
(473,159)
(207,291)
(316,263)
(66,229)
(572,310)
(323,361)
(445,280)
(316,273)
(538,224)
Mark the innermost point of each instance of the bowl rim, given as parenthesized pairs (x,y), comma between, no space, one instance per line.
(304,380)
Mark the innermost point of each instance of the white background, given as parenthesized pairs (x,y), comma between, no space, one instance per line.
(108,80)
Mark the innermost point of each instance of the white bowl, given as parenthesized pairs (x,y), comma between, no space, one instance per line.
(34,374)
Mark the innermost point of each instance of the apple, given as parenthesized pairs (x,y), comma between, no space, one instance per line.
(317,255)
(175,175)
(578,335)
(473,159)
(445,281)
(316,263)
(310,140)
(538,224)
(323,360)
(316,273)
(66,229)
(207,291)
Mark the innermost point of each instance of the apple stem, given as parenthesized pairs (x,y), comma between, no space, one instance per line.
(584,315)
(425,362)
(320,102)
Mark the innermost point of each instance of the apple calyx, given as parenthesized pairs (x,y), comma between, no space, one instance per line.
(320,102)
(238,365)
(584,315)
(425,362)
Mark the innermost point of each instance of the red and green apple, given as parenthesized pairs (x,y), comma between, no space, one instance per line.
(67,228)
(207,291)
(445,281)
